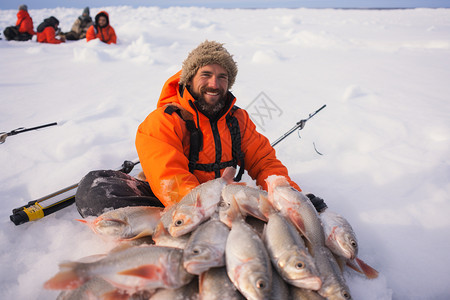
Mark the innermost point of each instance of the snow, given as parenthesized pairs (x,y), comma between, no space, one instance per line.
(384,134)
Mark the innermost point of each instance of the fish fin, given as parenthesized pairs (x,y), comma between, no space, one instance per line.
(297,220)
(160,231)
(198,201)
(65,280)
(144,233)
(234,212)
(265,207)
(370,272)
(239,183)
(114,295)
(228,174)
(82,221)
(351,264)
(144,271)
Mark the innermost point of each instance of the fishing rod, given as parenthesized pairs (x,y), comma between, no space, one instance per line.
(299,125)
(4,135)
(39,208)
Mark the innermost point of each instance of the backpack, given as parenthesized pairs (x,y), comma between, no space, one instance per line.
(11,32)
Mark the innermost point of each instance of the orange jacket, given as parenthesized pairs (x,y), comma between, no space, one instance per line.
(163,143)
(105,34)
(25,21)
(48,36)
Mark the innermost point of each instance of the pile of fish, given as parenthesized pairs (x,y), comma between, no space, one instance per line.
(221,241)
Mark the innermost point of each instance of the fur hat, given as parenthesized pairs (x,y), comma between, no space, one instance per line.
(23,7)
(207,53)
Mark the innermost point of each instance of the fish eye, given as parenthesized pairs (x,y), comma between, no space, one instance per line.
(178,223)
(223,204)
(260,284)
(299,265)
(353,243)
(346,295)
(195,251)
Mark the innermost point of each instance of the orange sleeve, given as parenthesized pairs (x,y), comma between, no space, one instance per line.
(259,156)
(159,144)
(90,34)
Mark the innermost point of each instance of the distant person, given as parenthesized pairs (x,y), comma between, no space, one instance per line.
(23,31)
(80,26)
(46,31)
(101,29)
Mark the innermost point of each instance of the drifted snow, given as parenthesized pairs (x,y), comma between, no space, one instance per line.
(385,133)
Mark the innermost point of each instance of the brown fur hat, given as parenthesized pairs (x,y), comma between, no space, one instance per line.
(207,53)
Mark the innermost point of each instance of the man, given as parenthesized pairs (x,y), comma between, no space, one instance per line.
(46,31)
(193,135)
(101,29)
(80,26)
(23,31)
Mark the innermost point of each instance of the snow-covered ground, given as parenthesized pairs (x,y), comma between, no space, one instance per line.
(384,135)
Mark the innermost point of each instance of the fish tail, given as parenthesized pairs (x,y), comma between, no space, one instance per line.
(370,272)
(228,174)
(67,279)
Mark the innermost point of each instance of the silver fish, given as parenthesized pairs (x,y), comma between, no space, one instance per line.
(339,235)
(289,255)
(247,261)
(295,206)
(215,285)
(130,222)
(206,247)
(133,269)
(341,240)
(199,204)
(334,286)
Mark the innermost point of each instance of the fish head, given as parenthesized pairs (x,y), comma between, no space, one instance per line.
(342,242)
(256,286)
(298,268)
(200,258)
(184,220)
(349,244)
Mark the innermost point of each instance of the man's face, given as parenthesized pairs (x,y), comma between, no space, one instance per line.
(102,21)
(209,87)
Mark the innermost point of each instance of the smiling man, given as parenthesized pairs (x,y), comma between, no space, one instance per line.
(195,132)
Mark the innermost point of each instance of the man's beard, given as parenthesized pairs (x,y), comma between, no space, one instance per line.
(210,110)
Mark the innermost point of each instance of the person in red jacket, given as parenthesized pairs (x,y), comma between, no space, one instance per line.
(25,23)
(46,31)
(195,132)
(101,29)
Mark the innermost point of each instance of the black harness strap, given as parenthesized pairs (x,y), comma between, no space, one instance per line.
(235,132)
(196,144)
